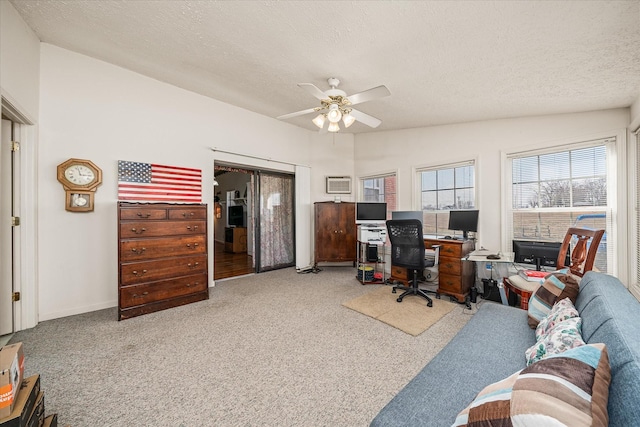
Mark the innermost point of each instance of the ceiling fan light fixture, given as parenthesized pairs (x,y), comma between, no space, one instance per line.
(348,120)
(319,120)
(334,115)
(333,127)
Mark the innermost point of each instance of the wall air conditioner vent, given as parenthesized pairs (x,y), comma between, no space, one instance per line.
(338,185)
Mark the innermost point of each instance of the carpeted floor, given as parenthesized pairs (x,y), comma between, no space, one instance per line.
(412,316)
(274,349)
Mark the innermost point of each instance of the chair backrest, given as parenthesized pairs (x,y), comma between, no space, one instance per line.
(407,243)
(585,246)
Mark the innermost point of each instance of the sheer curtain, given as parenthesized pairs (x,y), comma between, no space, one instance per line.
(276,234)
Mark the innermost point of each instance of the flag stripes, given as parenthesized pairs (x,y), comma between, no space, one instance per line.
(147,181)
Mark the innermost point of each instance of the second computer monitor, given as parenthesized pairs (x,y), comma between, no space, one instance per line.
(407,215)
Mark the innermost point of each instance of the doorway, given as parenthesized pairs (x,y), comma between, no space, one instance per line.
(253,221)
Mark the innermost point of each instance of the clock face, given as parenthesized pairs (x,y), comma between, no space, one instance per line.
(79,174)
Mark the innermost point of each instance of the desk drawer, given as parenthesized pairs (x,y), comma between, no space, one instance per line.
(449,283)
(450,266)
(451,250)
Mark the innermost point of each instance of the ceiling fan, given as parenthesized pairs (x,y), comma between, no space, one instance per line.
(335,105)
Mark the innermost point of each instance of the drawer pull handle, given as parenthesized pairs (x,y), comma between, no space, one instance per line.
(195,245)
(186,214)
(141,215)
(189,284)
(194,228)
(194,265)
(142,230)
(140,296)
(136,272)
(138,251)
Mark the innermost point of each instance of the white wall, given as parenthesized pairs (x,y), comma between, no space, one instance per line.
(404,151)
(97,111)
(19,62)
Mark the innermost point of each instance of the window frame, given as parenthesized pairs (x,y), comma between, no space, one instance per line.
(417,174)
(361,189)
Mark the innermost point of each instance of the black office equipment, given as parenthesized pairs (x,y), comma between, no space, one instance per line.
(236,216)
(538,253)
(372,253)
(464,220)
(371,213)
(408,251)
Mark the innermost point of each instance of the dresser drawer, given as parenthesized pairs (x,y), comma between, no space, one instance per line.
(138,249)
(161,228)
(131,296)
(142,213)
(449,265)
(188,213)
(147,271)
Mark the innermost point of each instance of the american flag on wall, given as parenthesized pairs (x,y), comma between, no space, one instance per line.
(147,181)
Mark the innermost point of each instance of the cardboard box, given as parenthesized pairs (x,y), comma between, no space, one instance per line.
(36,418)
(11,374)
(24,404)
(51,421)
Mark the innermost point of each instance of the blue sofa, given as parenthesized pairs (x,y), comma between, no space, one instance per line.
(491,346)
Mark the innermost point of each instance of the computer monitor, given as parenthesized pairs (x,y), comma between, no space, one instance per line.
(463,220)
(371,213)
(407,215)
(540,254)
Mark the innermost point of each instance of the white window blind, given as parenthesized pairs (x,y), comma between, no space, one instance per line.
(444,188)
(554,189)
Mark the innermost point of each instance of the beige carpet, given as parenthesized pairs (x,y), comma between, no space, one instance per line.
(411,315)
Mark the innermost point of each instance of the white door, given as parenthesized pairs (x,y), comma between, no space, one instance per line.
(6,230)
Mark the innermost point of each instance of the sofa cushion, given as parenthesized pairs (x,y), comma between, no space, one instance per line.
(610,314)
(556,287)
(561,311)
(563,336)
(488,348)
(567,389)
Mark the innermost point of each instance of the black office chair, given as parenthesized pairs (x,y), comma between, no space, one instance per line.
(407,251)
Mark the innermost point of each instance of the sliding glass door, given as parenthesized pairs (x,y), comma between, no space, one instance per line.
(275,233)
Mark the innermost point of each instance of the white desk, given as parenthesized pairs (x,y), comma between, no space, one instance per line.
(499,265)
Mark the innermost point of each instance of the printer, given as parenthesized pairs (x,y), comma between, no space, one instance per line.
(372,234)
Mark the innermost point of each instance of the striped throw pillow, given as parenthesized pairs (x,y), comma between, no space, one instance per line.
(571,388)
(556,287)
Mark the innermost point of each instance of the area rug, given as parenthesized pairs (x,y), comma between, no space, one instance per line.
(411,315)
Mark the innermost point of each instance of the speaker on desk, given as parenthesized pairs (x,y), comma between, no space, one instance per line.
(372,253)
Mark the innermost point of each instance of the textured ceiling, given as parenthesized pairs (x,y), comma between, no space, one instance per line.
(443,61)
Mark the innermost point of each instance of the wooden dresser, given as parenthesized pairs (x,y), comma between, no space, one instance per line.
(162,256)
(335,232)
(455,276)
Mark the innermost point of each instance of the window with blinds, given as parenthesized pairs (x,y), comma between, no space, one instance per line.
(557,189)
(443,189)
(380,188)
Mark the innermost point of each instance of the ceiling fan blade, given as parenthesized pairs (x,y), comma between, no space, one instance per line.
(368,95)
(365,118)
(313,90)
(296,114)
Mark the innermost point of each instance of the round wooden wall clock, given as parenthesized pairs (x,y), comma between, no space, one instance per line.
(80,179)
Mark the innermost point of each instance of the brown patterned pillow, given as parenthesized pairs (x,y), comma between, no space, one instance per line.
(571,389)
(556,287)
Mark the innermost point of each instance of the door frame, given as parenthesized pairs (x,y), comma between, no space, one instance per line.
(25,313)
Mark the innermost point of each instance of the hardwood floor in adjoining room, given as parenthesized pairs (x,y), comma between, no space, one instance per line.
(227,264)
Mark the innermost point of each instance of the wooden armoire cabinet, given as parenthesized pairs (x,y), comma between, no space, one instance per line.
(162,256)
(335,232)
